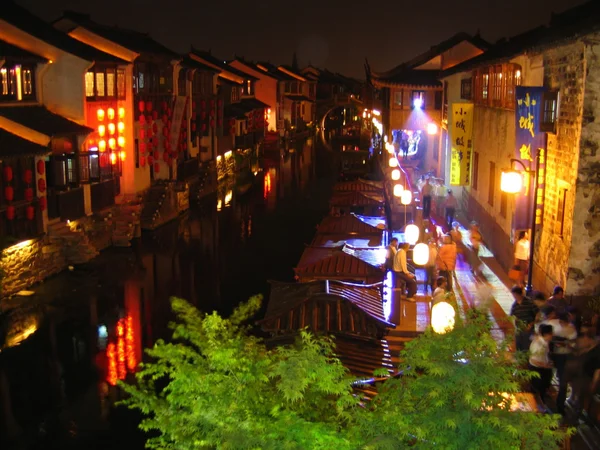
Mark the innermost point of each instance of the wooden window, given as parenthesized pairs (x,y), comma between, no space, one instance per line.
(550,111)
(89,84)
(28,82)
(503,203)
(496,90)
(121,88)
(475,175)
(560,211)
(4,82)
(492,183)
(100,84)
(398,98)
(485,87)
(111,83)
(235,94)
(437,102)
(466,89)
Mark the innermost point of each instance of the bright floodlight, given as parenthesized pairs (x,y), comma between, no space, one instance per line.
(442,317)
(432,128)
(418,102)
(511,182)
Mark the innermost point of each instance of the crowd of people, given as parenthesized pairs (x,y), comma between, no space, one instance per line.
(559,343)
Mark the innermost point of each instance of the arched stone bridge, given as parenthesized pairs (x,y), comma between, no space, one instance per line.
(325,107)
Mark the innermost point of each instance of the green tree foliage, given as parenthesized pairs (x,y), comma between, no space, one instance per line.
(216,386)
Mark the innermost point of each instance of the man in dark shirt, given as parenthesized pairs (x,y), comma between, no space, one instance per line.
(524,312)
(558,300)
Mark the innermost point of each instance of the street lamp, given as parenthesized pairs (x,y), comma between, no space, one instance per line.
(421,254)
(398,189)
(511,182)
(396,174)
(442,317)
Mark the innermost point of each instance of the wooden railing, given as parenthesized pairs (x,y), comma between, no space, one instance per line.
(103,194)
(21,228)
(187,169)
(68,205)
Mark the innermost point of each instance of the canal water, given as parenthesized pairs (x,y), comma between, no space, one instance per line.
(90,325)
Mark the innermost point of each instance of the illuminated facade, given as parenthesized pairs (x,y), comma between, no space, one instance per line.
(412,99)
(529,100)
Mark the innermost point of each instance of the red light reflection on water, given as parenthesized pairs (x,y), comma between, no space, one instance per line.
(121,356)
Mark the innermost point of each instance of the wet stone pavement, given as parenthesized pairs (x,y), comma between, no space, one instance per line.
(90,325)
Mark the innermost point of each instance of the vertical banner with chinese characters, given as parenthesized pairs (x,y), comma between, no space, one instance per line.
(529,141)
(462,136)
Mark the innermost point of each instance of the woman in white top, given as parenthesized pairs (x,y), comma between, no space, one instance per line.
(539,360)
(522,256)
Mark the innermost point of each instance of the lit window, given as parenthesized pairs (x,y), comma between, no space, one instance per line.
(110,83)
(398,98)
(89,84)
(485,86)
(120,83)
(27,82)
(100,84)
(418,99)
(4,80)
(550,112)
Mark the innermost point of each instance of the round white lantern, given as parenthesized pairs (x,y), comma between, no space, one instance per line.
(406,197)
(511,182)
(421,254)
(432,128)
(393,161)
(396,174)
(398,189)
(411,233)
(442,317)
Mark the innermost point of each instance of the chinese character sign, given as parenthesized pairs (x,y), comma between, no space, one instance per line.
(462,134)
(529,141)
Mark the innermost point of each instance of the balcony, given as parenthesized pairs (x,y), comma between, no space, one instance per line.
(68,205)
(103,195)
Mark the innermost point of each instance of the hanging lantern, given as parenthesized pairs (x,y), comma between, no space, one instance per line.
(155,154)
(121,141)
(406,197)
(150,159)
(122,155)
(28,194)
(43,202)
(101,130)
(142,161)
(154,128)
(121,113)
(41,167)
(28,176)
(396,174)
(142,106)
(41,185)
(10,212)
(121,127)
(100,115)
(29,212)
(102,146)
(142,147)
(165,131)
(442,317)
(212,123)
(393,162)
(168,146)
(398,189)
(156,167)
(163,105)
(112,143)
(164,118)
(9,193)
(113,158)
(111,129)
(154,115)
(193,126)
(149,106)
(110,112)
(421,254)
(142,133)
(169,112)
(142,119)
(8,174)
(411,233)
(166,157)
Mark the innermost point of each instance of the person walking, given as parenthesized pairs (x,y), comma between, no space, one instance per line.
(403,274)
(524,312)
(476,240)
(426,193)
(446,260)
(430,267)
(540,362)
(450,204)
(522,256)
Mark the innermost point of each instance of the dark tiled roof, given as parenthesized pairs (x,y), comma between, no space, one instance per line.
(13,52)
(340,264)
(574,22)
(191,63)
(38,118)
(33,25)
(275,72)
(253,103)
(207,56)
(374,256)
(374,221)
(253,66)
(364,186)
(412,77)
(291,70)
(141,43)
(298,98)
(12,145)
(349,224)
(354,198)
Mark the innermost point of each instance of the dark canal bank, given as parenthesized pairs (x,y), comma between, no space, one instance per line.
(89,326)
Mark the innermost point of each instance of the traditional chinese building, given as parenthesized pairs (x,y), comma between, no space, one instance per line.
(531,104)
(412,98)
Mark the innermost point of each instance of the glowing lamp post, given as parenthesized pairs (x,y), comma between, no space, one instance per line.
(511,182)
(395,174)
(406,197)
(432,129)
(393,161)
(442,317)
(411,234)
(421,254)
(398,189)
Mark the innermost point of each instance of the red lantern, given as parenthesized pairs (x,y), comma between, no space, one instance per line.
(164,118)
(220,102)
(169,112)
(28,176)
(29,212)
(149,106)
(184,125)
(8,174)
(43,202)
(156,167)
(29,194)
(142,133)
(142,146)
(212,103)
(154,115)
(150,159)
(168,146)
(142,161)
(193,126)
(41,167)
(166,157)
(142,119)
(169,124)
(10,212)
(203,127)
(141,106)
(41,185)
(203,116)
(212,123)
(154,128)
(9,193)
(165,131)
(155,154)
(163,105)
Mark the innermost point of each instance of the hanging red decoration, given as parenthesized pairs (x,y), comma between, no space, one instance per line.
(154,115)
(142,161)
(203,127)
(193,126)
(212,123)
(166,157)
(29,212)
(193,105)
(150,159)
(154,128)
(220,102)
(43,203)
(142,119)
(28,194)
(9,193)
(156,167)
(149,106)
(169,124)
(169,112)
(155,154)
(168,146)
(163,105)
(41,185)
(165,131)
(8,174)
(142,133)
(28,176)
(41,167)
(10,212)
(142,147)
(212,113)
(164,118)
(141,106)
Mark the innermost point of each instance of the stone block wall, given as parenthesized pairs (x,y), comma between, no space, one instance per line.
(564,71)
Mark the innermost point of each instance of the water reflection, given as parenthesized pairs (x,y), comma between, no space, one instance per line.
(98,319)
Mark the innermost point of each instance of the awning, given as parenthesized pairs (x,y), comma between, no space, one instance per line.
(12,145)
(40,119)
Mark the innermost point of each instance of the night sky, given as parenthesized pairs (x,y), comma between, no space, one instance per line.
(335,34)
